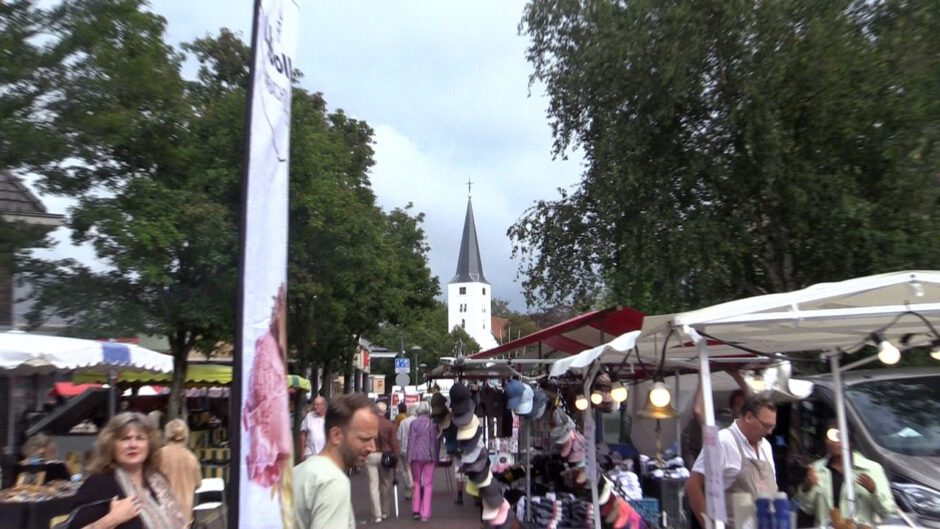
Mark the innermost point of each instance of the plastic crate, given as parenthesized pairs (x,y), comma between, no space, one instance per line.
(648,509)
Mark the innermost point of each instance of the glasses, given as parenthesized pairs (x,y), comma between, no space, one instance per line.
(768,427)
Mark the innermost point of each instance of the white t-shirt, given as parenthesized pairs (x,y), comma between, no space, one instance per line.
(731,457)
(402,433)
(322,496)
(316,438)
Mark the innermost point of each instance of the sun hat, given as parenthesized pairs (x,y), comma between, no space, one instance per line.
(469,430)
(462,420)
(470,456)
(438,404)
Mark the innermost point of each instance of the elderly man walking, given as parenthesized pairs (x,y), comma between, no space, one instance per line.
(403,451)
(381,466)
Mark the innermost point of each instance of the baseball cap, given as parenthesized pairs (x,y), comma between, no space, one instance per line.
(539,401)
(466,445)
(525,401)
(469,430)
(461,400)
(514,391)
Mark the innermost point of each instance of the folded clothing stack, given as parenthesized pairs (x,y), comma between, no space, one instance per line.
(628,482)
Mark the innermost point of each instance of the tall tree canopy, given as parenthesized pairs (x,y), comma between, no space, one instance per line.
(154,161)
(733,148)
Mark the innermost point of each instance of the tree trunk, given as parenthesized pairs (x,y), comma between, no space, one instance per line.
(176,405)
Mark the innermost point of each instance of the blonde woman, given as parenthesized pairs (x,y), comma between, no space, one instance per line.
(125,489)
(180,466)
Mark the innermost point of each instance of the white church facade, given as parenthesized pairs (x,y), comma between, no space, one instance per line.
(469,295)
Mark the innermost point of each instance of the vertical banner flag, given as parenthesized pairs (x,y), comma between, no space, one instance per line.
(264,444)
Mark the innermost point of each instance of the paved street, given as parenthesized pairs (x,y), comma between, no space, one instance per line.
(444,513)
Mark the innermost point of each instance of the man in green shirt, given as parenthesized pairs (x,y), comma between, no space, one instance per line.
(322,495)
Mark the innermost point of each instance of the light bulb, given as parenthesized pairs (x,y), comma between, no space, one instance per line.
(757,383)
(581,403)
(888,353)
(935,350)
(659,395)
(596,398)
(833,435)
(618,393)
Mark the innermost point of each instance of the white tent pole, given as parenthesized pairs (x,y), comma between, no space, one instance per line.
(844,433)
(590,435)
(705,381)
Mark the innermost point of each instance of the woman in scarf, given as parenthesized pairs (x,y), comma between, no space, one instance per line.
(125,489)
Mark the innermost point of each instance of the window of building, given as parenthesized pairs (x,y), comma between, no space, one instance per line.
(463,291)
(463,324)
(484,291)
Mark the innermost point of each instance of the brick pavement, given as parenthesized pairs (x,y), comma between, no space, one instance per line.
(444,513)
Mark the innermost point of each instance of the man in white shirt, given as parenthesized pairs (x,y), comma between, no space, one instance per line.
(322,494)
(747,460)
(312,436)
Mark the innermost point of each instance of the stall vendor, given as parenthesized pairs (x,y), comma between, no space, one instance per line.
(825,480)
(746,458)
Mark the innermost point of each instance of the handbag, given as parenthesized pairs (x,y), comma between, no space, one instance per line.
(389,460)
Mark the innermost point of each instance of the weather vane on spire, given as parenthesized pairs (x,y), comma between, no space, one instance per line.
(469,184)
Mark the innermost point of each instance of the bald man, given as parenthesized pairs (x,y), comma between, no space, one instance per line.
(312,437)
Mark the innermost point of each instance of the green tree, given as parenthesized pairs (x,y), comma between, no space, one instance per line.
(517,324)
(155,200)
(733,148)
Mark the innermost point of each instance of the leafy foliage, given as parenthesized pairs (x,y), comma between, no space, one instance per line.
(732,148)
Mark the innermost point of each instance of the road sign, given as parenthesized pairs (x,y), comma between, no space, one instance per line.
(402,379)
(403,365)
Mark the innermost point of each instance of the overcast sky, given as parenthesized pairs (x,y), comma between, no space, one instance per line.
(445,86)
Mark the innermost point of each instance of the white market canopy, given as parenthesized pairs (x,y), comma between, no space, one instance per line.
(25,353)
(823,317)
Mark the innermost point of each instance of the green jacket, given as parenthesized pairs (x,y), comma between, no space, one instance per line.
(818,500)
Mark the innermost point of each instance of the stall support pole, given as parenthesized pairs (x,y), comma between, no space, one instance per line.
(528,470)
(705,381)
(843,432)
(112,393)
(589,431)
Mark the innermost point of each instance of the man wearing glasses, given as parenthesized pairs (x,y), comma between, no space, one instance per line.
(746,458)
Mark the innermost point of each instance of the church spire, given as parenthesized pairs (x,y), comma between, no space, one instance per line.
(469,264)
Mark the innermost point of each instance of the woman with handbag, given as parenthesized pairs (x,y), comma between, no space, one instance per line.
(125,489)
(424,447)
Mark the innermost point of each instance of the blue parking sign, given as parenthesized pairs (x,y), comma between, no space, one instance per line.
(402,365)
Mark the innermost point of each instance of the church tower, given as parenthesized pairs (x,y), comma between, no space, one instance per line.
(468,293)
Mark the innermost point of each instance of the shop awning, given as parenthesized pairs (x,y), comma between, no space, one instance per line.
(24,353)
(571,336)
(197,375)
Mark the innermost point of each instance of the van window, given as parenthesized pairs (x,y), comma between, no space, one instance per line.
(901,414)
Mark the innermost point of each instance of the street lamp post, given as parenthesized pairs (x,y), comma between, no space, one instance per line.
(415,349)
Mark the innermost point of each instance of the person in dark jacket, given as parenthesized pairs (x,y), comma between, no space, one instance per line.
(125,489)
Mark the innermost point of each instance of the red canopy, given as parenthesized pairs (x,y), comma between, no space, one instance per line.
(575,335)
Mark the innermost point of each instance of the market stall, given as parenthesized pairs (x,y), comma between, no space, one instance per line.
(41,488)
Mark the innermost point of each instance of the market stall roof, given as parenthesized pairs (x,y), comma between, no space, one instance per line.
(822,317)
(570,336)
(24,353)
(197,375)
